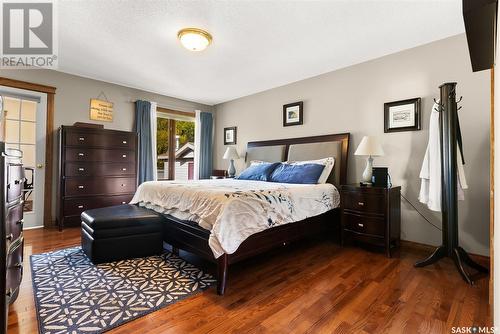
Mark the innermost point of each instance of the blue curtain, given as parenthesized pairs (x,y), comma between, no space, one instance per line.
(206,149)
(143,129)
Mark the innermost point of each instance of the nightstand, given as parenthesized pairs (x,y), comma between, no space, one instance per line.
(371,215)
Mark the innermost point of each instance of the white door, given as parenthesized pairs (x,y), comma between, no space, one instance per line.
(25,122)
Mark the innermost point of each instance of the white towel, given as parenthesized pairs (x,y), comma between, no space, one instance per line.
(430,174)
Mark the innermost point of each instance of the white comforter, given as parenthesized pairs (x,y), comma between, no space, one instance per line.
(233,210)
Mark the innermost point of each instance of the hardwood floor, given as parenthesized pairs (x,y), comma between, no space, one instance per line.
(316,287)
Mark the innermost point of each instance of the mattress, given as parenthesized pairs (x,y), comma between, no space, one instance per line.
(233,210)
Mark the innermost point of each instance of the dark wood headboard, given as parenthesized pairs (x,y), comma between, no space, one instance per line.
(340,137)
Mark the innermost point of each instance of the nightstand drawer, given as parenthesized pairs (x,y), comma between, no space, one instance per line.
(364,224)
(364,202)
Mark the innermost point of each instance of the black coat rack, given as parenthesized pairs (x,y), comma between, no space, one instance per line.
(448,123)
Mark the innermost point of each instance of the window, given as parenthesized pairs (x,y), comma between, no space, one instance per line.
(175,145)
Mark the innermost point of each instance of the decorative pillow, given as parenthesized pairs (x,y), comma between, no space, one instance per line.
(329,163)
(298,173)
(258,172)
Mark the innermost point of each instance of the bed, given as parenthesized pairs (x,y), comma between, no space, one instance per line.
(214,219)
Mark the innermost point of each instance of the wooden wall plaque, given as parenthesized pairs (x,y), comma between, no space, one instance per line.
(101,110)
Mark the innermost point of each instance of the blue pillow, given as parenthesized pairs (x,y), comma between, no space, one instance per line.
(303,174)
(258,172)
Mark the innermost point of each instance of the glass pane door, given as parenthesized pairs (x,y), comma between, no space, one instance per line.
(162,147)
(184,150)
(175,147)
(20,133)
(25,129)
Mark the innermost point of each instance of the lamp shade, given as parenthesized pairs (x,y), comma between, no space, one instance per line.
(369,146)
(230,154)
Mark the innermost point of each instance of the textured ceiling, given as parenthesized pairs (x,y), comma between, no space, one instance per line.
(257,45)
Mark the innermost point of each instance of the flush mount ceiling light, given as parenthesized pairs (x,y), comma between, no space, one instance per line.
(194,39)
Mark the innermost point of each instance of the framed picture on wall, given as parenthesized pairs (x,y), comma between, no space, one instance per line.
(230,136)
(402,115)
(293,114)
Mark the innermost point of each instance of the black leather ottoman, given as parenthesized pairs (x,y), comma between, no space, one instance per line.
(121,232)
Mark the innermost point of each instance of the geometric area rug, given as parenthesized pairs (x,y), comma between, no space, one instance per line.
(72,295)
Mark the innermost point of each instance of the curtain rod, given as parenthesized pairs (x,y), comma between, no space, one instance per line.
(174,108)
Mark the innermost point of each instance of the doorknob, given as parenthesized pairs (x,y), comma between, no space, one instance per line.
(39,165)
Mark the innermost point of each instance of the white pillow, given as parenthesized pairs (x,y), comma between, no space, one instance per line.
(257,162)
(327,162)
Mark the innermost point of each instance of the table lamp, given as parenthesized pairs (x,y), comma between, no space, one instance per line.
(369,147)
(230,155)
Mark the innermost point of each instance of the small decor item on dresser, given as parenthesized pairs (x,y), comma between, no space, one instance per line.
(402,115)
(88,125)
(370,147)
(230,135)
(230,155)
(293,114)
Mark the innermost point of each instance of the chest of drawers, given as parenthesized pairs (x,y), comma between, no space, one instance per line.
(371,215)
(11,229)
(97,168)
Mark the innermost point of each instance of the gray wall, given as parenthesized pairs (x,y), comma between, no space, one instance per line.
(351,100)
(73,96)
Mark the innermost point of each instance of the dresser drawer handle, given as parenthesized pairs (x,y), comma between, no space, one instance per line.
(10,237)
(124,142)
(17,181)
(80,187)
(124,202)
(20,222)
(81,154)
(123,184)
(18,265)
(81,139)
(81,169)
(361,225)
(124,169)
(80,206)
(361,203)
(124,156)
